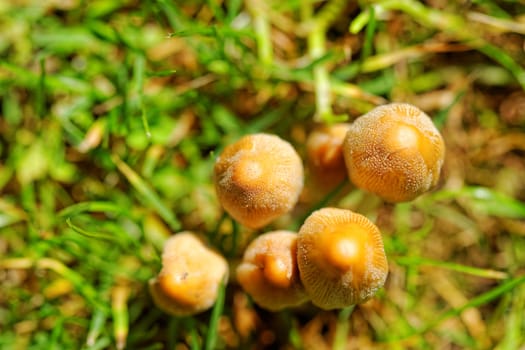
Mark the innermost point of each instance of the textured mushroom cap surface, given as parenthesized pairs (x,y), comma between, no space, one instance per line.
(324,148)
(341,258)
(258,179)
(394,151)
(190,277)
(269,273)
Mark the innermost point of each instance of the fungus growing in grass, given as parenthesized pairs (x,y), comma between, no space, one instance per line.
(341,258)
(324,148)
(268,271)
(190,277)
(258,179)
(394,151)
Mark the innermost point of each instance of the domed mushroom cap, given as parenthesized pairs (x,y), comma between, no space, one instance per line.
(341,258)
(394,151)
(190,277)
(269,272)
(258,179)
(324,147)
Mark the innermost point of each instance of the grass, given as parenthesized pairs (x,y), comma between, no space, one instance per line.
(112,113)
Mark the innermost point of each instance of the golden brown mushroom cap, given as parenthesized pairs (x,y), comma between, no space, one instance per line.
(258,179)
(269,273)
(394,151)
(190,277)
(341,258)
(324,147)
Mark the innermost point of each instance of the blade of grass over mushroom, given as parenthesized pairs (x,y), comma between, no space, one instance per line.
(147,194)
(474,271)
(216,313)
(92,207)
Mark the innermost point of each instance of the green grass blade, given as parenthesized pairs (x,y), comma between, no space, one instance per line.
(95,235)
(98,321)
(480,300)
(147,194)
(92,207)
(211,336)
(474,271)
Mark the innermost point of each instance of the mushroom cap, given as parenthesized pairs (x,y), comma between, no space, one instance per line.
(190,277)
(341,258)
(258,178)
(269,273)
(394,151)
(324,148)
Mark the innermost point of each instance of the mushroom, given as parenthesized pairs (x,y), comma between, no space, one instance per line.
(190,277)
(268,271)
(394,151)
(341,258)
(258,179)
(324,149)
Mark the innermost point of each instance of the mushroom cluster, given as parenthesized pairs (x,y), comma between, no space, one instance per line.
(337,258)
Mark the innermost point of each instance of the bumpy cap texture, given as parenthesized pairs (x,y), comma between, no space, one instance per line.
(258,179)
(341,258)
(394,151)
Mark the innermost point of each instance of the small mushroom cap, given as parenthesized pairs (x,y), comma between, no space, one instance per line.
(394,151)
(258,179)
(190,277)
(324,148)
(341,258)
(269,272)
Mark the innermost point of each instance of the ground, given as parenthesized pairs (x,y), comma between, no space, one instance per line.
(113,113)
